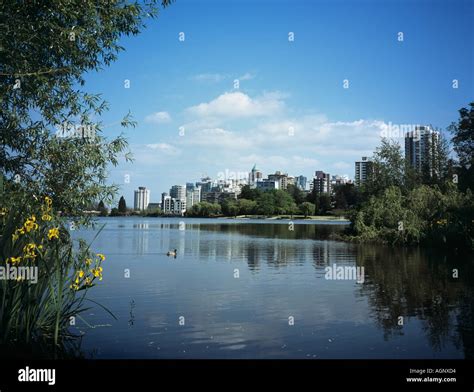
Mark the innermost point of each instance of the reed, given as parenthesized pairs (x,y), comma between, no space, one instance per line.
(36,238)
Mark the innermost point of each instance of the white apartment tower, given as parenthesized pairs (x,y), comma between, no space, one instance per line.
(421,149)
(141,198)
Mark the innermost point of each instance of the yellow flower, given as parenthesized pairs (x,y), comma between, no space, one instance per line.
(53,233)
(88,262)
(74,286)
(97,272)
(101,256)
(29,250)
(17,233)
(3,211)
(14,260)
(81,273)
(30,224)
(46,217)
(88,281)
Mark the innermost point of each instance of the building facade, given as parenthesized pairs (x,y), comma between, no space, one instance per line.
(421,149)
(178,192)
(154,206)
(301,182)
(141,198)
(363,168)
(281,178)
(339,180)
(255,176)
(267,185)
(321,182)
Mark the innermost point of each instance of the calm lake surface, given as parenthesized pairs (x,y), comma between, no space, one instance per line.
(280,305)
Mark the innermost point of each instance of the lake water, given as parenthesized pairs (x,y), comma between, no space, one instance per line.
(257,289)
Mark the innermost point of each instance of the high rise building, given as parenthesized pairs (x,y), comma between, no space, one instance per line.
(267,185)
(172,206)
(363,168)
(196,194)
(421,149)
(321,182)
(189,198)
(178,192)
(141,198)
(281,178)
(300,182)
(339,180)
(205,184)
(255,176)
(193,195)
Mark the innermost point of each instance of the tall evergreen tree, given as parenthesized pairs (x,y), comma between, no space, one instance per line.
(122,205)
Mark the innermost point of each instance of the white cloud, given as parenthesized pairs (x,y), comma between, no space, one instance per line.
(238,104)
(164,148)
(316,133)
(304,162)
(209,77)
(236,129)
(219,77)
(216,137)
(278,162)
(247,76)
(158,118)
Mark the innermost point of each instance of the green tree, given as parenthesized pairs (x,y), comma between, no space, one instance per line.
(265,204)
(307,208)
(102,209)
(340,199)
(296,193)
(230,207)
(247,207)
(122,205)
(324,203)
(250,193)
(195,210)
(283,202)
(205,209)
(388,165)
(51,136)
(463,143)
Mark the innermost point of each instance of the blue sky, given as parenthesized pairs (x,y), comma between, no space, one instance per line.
(291,111)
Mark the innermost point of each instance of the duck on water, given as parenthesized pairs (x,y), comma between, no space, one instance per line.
(172,253)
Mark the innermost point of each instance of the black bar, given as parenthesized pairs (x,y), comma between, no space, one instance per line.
(317,375)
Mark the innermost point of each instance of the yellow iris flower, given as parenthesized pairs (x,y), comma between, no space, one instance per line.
(53,233)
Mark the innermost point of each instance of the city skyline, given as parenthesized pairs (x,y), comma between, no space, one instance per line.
(290,109)
(420,148)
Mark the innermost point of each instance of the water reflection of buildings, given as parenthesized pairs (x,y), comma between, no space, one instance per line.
(140,239)
(275,248)
(398,282)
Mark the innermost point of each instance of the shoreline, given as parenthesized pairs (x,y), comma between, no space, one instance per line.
(242,217)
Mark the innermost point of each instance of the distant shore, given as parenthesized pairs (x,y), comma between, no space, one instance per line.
(287,217)
(257,217)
